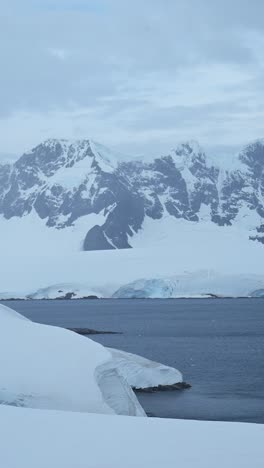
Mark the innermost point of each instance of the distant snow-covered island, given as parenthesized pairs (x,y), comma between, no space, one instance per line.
(201,284)
(66,402)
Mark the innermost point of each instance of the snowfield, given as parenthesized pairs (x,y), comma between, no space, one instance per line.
(205,258)
(51,439)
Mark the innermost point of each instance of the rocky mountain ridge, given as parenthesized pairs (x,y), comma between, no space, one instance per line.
(64,180)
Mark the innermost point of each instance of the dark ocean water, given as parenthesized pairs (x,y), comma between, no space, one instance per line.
(218,344)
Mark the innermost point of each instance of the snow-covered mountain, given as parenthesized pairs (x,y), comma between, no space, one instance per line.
(79,195)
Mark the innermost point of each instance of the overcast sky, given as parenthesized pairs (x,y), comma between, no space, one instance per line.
(137,75)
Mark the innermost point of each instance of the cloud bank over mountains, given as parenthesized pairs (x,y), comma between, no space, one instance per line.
(136,75)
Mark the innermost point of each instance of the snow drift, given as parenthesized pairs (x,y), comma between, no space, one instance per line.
(52,368)
(33,438)
(142,373)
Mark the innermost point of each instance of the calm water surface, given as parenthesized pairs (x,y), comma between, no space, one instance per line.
(218,344)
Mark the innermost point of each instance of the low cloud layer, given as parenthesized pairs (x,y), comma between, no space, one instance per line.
(139,76)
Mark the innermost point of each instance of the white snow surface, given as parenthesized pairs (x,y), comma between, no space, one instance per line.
(110,273)
(71,177)
(107,158)
(163,272)
(199,284)
(141,373)
(36,238)
(41,257)
(60,290)
(51,439)
(52,368)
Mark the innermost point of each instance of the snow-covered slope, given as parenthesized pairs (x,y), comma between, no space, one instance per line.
(231,258)
(142,373)
(50,439)
(51,368)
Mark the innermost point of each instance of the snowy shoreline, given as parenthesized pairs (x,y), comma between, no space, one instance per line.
(71,356)
(66,401)
(204,284)
(211,296)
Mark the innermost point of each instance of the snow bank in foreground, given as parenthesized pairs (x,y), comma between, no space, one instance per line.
(199,284)
(142,373)
(52,368)
(32,438)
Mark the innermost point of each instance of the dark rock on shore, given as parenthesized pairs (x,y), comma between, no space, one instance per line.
(90,331)
(164,388)
(72,295)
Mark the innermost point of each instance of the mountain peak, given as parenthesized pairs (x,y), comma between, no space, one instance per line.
(63,181)
(253,157)
(187,154)
(106,158)
(188,148)
(53,153)
(103,156)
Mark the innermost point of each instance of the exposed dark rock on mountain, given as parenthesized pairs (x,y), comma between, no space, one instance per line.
(62,181)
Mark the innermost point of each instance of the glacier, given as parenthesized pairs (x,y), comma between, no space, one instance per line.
(201,284)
